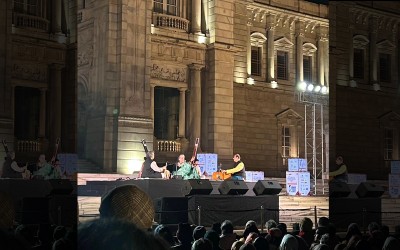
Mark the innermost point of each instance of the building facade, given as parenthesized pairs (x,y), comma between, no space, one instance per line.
(37,76)
(223,71)
(365,100)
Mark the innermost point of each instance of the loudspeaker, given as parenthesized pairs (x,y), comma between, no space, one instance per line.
(197,186)
(35,210)
(171,210)
(61,186)
(367,189)
(233,187)
(267,187)
(63,210)
(339,189)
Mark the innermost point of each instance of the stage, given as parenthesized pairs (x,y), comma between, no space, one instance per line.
(42,201)
(169,199)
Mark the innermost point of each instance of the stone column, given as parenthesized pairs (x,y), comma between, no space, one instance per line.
(42,115)
(299,50)
(56,18)
(351,52)
(326,61)
(152,103)
(373,50)
(182,111)
(320,54)
(195,102)
(56,101)
(271,48)
(196,16)
(248,49)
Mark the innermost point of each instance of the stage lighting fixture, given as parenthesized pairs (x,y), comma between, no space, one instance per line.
(250,81)
(302,86)
(353,84)
(317,88)
(324,90)
(274,84)
(376,87)
(310,87)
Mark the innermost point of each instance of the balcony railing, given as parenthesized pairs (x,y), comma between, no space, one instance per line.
(28,146)
(32,22)
(168,146)
(168,21)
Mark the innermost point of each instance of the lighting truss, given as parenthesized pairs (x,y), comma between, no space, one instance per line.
(314,140)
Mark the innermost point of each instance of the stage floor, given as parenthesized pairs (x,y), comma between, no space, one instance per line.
(290,209)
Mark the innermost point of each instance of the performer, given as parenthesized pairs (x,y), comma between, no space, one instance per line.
(151,170)
(187,170)
(46,170)
(11,168)
(238,170)
(340,173)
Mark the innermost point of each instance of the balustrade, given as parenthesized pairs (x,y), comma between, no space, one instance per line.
(168,21)
(28,146)
(168,146)
(28,21)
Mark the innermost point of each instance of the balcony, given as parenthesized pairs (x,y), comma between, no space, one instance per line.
(30,22)
(168,21)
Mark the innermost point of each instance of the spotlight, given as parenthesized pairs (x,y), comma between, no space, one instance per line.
(274,84)
(250,81)
(310,87)
(353,84)
(324,90)
(317,88)
(302,86)
(201,39)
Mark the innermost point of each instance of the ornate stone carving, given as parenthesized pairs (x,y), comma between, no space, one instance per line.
(134,122)
(85,56)
(85,50)
(31,72)
(168,73)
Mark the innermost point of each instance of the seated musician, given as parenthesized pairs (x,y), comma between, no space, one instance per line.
(46,170)
(340,172)
(238,170)
(186,169)
(151,170)
(11,168)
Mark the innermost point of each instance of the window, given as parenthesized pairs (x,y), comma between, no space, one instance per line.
(384,67)
(31,7)
(255,61)
(282,65)
(307,70)
(288,123)
(388,144)
(169,7)
(358,63)
(285,141)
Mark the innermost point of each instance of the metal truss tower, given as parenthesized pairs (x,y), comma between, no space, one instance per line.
(314,135)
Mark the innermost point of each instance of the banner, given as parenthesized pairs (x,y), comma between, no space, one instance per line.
(68,163)
(292,180)
(395,167)
(208,163)
(304,183)
(394,185)
(297,165)
(254,176)
(298,183)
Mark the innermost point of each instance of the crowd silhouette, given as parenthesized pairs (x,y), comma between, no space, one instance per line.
(120,228)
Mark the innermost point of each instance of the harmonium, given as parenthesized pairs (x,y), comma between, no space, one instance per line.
(220,176)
